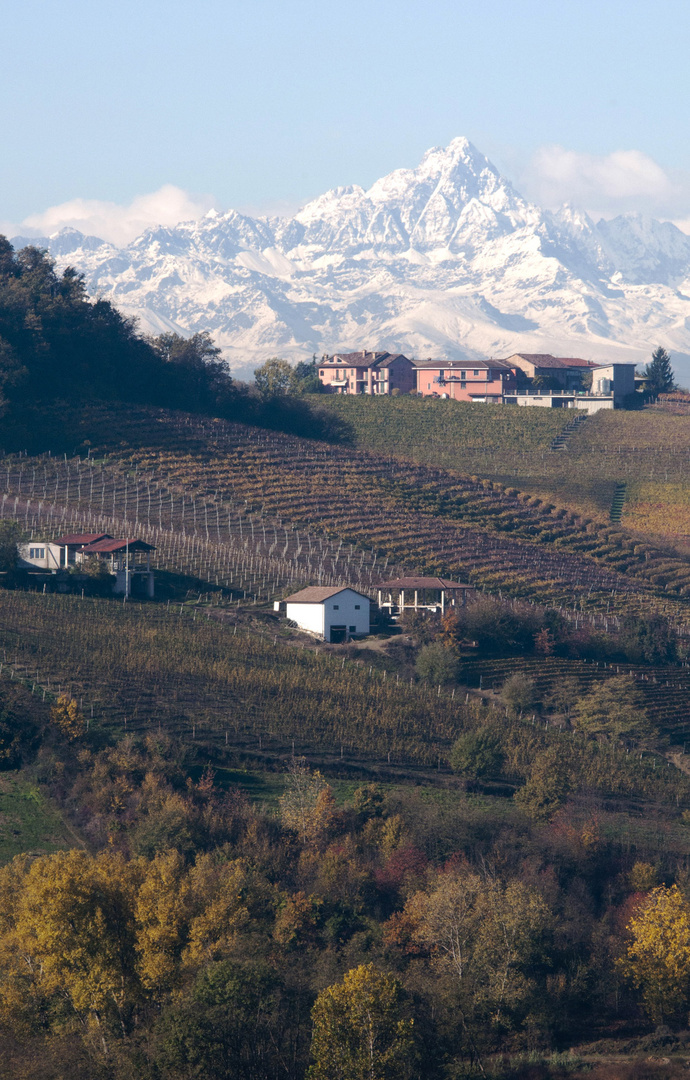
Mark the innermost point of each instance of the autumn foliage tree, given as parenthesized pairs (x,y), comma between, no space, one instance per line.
(360,1029)
(306,806)
(657,960)
(67,717)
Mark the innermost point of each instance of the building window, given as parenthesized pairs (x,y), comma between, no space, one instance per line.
(476,373)
(322,373)
(336,607)
(357,607)
(428,386)
(37,553)
(463,374)
(463,385)
(353,629)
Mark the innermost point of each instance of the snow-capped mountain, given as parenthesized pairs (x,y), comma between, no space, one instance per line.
(443,260)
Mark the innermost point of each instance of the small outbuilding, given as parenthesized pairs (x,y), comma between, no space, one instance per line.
(427,593)
(336,614)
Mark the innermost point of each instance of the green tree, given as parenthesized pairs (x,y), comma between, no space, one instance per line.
(11,535)
(658,375)
(519,692)
(196,372)
(648,640)
(307,379)
(547,786)
(437,663)
(275,378)
(227,1028)
(360,1029)
(476,753)
(613,709)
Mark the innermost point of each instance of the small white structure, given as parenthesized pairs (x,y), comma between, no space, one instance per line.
(336,614)
(38,555)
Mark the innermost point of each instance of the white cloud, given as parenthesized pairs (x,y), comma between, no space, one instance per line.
(116,223)
(607,184)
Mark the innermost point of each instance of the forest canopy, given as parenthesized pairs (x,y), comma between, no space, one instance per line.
(58,344)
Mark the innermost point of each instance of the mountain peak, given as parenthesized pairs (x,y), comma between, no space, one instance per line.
(443,259)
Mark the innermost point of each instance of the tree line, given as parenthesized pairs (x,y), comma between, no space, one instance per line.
(381,936)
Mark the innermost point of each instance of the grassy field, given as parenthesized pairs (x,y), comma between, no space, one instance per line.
(28,822)
(512,445)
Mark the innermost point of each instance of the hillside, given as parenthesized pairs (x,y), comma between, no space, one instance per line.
(247,815)
(178,473)
(647,450)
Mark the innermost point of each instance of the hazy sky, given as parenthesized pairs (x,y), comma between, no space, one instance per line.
(153,110)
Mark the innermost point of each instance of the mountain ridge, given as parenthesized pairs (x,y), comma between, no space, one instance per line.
(444,259)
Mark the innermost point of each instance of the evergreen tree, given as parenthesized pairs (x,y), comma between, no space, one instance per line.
(659,375)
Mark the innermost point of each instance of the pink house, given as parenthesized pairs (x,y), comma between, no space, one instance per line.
(367,373)
(466,380)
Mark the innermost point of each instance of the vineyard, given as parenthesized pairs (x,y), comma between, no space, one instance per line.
(256,511)
(245,695)
(514,446)
(665,690)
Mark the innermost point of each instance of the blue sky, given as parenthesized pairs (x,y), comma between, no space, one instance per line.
(262,105)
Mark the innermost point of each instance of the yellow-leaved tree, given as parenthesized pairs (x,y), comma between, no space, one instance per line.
(360,1029)
(162,910)
(657,960)
(67,932)
(307,805)
(66,716)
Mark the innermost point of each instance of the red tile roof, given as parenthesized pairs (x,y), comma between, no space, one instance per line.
(465,365)
(362,359)
(111,546)
(79,539)
(423,583)
(545,360)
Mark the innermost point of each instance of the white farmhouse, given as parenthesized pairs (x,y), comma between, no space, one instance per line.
(335,614)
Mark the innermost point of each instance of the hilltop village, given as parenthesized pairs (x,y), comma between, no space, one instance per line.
(533,379)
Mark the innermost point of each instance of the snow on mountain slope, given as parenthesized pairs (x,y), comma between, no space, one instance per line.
(443,260)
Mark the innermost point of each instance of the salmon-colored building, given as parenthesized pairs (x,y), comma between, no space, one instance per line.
(558,372)
(466,380)
(367,373)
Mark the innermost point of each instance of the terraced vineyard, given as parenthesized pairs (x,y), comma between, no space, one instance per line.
(305,508)
(666,690)
(245,695)
(650,450)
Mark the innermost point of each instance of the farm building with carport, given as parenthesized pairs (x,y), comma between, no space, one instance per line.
(336,614)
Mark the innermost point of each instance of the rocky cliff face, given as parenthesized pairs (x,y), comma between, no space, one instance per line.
(443,260)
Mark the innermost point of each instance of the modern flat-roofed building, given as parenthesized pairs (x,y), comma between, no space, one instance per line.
(466,380)
(367,373)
